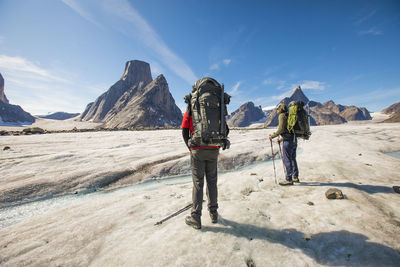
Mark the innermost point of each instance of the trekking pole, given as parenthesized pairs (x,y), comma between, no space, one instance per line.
(273,161)
(280,152)
(174,214)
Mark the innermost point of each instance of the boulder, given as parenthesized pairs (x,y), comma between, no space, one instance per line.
(34,130)
(334,193)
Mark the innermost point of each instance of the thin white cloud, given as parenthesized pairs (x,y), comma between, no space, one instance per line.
(371,31)
(39,90)
(280,84)
(214,66)
(365,18)
(235,89)
(21,68)
(140,28)
(80,10)
(217,66)
(311,85)
(227,61)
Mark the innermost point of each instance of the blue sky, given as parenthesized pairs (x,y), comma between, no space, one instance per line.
(59,55)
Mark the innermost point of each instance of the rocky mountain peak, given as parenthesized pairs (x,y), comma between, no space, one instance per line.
(11,114)
(322,114)
(137,71)
(395,108)
(3,97)
(136,76)
(245,115)
(136,100)
(298,95)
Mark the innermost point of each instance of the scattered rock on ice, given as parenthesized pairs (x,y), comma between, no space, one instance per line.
(6,148)
(34,130)
(334,193)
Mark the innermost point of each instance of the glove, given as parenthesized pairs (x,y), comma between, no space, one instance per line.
(226,144)
(270,137)
(280,140)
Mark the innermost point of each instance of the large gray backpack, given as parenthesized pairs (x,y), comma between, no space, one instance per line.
(208,106)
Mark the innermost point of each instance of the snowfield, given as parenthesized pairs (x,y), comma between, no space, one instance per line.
(67,199)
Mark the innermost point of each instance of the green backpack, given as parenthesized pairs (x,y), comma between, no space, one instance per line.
(298,123)
(208,107)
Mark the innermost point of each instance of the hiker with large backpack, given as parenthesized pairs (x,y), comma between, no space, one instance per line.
(289,147)
(204,131)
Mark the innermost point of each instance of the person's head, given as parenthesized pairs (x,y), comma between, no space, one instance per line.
(281,108)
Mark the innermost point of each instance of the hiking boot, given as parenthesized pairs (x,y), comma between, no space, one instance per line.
(296,180)
(191,221)
(286,183)
(214,217)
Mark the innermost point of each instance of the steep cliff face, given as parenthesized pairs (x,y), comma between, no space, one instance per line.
(135,100)
(245,115)
(11,114)
(150,107)
(136,75)
(3,97)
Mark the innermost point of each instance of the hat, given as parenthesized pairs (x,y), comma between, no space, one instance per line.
(282,108)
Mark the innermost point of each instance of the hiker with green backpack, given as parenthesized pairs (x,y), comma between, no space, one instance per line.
(204,131)
(292,125)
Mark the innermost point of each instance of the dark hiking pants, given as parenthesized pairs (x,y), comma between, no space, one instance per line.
(204,162)
(289,158)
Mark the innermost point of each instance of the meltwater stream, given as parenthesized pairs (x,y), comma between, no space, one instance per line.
(394,154)
(14,214)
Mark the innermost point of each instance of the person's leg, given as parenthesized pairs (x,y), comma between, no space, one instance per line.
(211,177)
(198,168)
(286,154)
(294,161)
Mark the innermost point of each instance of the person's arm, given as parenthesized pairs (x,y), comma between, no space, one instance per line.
(186,135)
(186,127)
(281,127)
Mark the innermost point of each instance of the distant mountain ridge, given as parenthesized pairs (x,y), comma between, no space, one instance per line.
(59,116)
(135,100)
(394,108)
(245,115)
(393,111)
(322,114)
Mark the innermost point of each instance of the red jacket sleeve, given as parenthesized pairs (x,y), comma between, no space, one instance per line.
(187,121)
